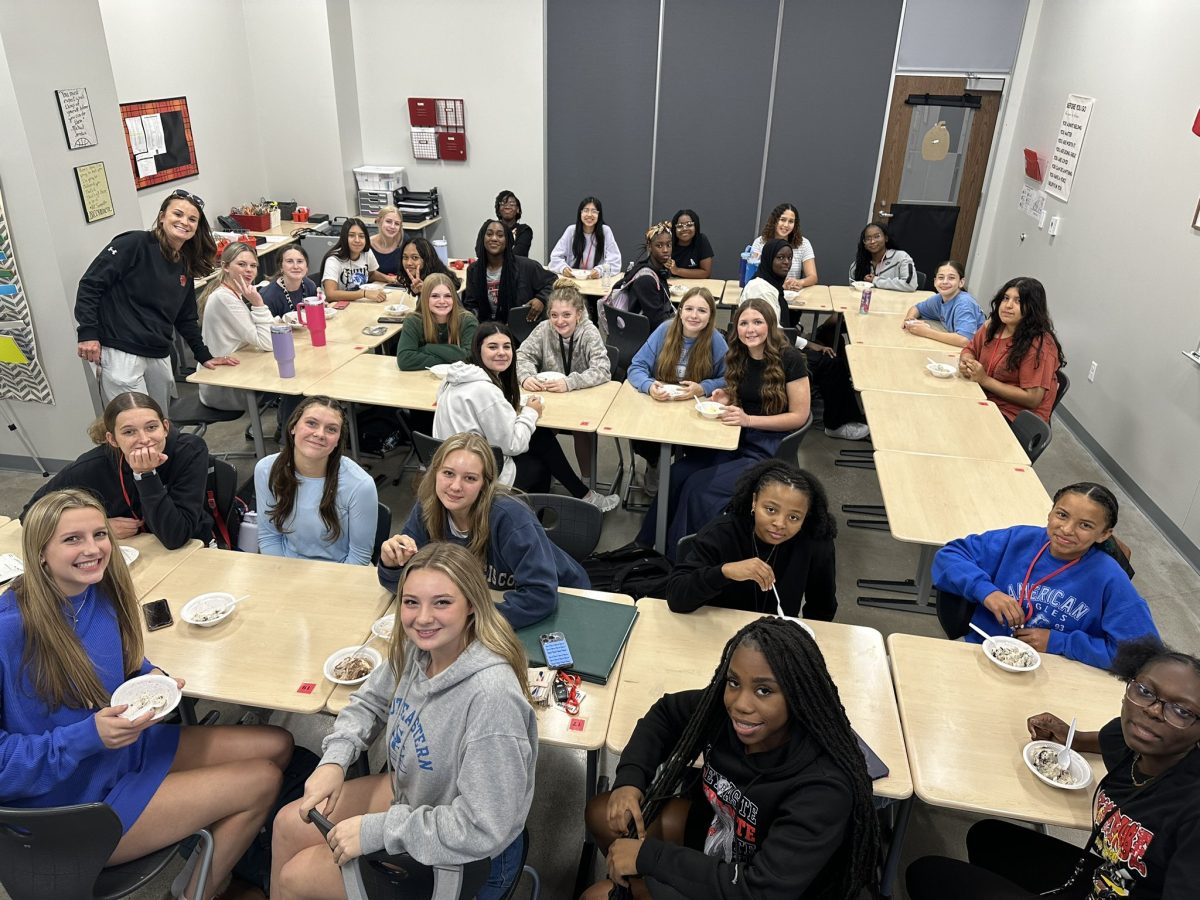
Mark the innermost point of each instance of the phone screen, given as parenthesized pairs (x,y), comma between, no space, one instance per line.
(157,614)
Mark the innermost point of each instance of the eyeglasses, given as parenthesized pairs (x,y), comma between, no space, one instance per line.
(509,202)
(1174,714)
(684,223)
(186,195)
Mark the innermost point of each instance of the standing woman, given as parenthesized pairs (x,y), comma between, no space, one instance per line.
(350,265)
(645,284)
(417,260)
(508,211)
(70,633)
(388,241)
(1015,356)
(138,292)
(293,285)
(783,224)
(499,281)
(313,501)
(150,477)
(691,253)
(586,246)
(461,739)
(234,315)
(444,331)
(880,262)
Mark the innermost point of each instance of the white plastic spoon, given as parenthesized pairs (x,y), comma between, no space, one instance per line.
(1064,755)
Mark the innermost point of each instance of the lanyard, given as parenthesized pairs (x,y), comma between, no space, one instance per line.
(567,352)
(125,493)
(1025,592)
(997,356)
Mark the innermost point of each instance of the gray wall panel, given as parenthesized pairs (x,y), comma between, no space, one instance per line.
(600,70)
(961,35)
(713,97)
(830,102)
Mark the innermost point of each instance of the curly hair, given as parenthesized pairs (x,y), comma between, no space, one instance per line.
(768,229)
(818,525)
(1133,656)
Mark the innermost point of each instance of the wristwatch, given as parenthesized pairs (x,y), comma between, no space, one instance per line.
(137,476)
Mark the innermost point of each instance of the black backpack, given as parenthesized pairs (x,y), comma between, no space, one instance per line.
(223,503)
(636,571)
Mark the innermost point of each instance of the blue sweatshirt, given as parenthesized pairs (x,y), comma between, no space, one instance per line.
(641,369)
(304,534)
(1089,608)
(960,315)
(54,757)
(521,561)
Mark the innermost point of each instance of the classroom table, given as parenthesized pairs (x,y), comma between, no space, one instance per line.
(271,651)
(885,330)
(599,287)
(965,726)
(904,371)
(4,520)
(846,299)
(346,327)
(923,496)
(154,561)
(946,426)
(638,416)
(814,298)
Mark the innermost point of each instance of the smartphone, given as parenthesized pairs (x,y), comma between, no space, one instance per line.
(341,304)
(157,614)
(391,320)
(558,654)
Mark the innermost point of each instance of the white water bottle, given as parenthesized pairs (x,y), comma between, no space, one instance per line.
(248,532)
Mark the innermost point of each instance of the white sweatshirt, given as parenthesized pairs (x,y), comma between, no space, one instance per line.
(229,324)
(468,400)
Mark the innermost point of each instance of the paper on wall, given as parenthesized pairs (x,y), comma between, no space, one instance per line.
(146,166)
(156,141)
(1067,144)
(137,136)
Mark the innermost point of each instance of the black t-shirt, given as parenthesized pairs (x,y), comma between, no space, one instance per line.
(689,257)
(1149,848)
(749,396)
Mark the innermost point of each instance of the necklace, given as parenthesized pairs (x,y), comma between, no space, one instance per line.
(76,613)
(761,601)
(287,295)
(1133,777)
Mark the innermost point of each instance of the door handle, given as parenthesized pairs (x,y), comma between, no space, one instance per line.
(885,215)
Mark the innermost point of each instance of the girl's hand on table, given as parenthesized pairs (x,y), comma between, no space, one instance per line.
(1047,727)
(124,526)
(720,395)
(694,390)
(1007,611)
(971,369)
(221,361)
(734,415)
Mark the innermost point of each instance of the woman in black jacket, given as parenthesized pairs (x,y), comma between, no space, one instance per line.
(149,477)
(646,281)
(499,281)
(772,549)
(508,211)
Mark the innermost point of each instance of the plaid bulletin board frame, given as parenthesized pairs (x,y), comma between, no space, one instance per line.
(180,159)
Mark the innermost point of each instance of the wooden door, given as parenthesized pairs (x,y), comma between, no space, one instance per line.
(973,161)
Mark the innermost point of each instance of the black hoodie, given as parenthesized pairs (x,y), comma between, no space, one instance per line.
(779,815)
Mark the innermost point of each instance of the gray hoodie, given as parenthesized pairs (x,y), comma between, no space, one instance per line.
(469,400)
(461,748)
(541,352)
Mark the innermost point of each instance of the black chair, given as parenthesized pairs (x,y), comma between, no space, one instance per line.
(627,331)
(1032,433)
(614,361)
(954,614)
(572,525)
(518,325)
(426,446)
(383,530)
(58,853)
(684,547)
(921,279)
(1064,385)
(789,447)
(190,414)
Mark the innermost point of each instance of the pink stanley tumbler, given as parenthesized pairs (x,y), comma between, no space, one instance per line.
(312,316)
(284,349)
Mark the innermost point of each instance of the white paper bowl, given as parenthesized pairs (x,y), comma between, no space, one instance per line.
(550,376)
(1080,769)
(440,370)
(678,290)
(860,286)
(207,610)
(940,370)
(398,309)
(989,649)
(337,656)
(674,390)
(383,626)
(709,409)
(131,554)
(131,690)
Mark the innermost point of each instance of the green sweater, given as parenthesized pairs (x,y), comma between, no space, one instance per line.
(412,353)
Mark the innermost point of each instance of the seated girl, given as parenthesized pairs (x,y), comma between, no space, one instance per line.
(313,501)
(1015,356)
(1055,588)
(461,500)
(459,780)
(233,315)
(880,262)
(766,393)
(149,477)
(956,310)
(419,260)
(70,633)
(441,332)
(350,266)
(772,547)
(770,278)
(775,740)
(499,281)
(292,285)
(691,253)
(586,249)
(508,211)
(782,224)
(387,242)
(645,285)
(1145,840)
(483,397)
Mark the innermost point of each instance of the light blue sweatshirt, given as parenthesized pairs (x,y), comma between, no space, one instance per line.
(641,369)
(960,314)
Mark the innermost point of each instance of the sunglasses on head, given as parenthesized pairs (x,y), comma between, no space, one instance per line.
(187,195)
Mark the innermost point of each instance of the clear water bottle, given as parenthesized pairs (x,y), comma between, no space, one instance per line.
(864,305)
(248,533)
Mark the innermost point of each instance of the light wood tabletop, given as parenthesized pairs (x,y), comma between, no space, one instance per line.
(945,426)
(639,416)
(599,287)
(904,371)
(4,520)
(923,496)
(581,410)
(347,326)
(897,303)
(271,650)
(814,298)
(154,561)
(374,379)
(885,330)
(670,652)
(257,370)
(964,726)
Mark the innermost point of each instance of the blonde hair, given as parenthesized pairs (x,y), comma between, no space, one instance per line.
(381,215)
(428,323)
(566,291)
(433,514)
(486,625)
(59,667)
(700,360)
(228,255)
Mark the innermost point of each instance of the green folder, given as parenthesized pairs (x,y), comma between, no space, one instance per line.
(596,631)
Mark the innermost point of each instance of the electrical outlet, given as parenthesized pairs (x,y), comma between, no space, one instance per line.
(1092,371)
(1054,223)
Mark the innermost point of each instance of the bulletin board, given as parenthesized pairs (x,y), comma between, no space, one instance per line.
(158,135)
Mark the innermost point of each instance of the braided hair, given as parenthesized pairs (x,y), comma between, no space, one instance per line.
(1098,494)
(813,702)
(818,525)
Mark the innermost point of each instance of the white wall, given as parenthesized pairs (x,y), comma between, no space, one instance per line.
(1118,276)
(489,54)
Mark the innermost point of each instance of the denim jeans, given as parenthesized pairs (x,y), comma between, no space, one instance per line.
(506,869)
